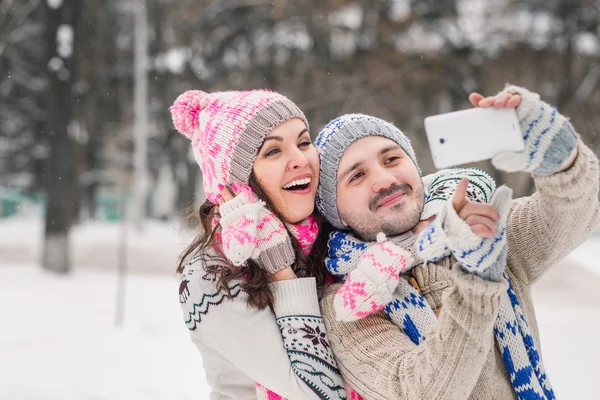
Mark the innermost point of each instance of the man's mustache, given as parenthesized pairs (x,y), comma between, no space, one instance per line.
(405,188)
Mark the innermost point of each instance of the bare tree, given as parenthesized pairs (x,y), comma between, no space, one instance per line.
(398,60)
(21,86)
(140,76)
(62,19)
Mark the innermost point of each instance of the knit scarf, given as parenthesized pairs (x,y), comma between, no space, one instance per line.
(305,232)
(411,312)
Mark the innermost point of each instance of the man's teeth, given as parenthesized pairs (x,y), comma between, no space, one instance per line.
(297,182)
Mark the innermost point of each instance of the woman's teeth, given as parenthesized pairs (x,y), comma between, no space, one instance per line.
(298,182)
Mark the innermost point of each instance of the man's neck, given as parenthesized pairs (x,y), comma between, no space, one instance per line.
(418,228)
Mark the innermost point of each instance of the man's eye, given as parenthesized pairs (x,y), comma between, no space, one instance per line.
(391,159)
(356,176)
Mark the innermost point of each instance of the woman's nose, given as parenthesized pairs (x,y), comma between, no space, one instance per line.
(297,160)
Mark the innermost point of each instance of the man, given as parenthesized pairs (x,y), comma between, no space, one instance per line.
(370,183)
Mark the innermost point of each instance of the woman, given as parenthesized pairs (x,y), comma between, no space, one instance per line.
(249,292)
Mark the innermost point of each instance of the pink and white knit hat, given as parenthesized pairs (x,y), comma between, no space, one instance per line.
(227,129)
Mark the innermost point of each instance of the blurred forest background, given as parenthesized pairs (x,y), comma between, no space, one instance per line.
(85,86)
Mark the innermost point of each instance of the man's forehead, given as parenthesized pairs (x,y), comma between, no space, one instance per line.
(364,149)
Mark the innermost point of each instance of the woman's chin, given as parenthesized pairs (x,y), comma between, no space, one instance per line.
(298,213)
(295,208)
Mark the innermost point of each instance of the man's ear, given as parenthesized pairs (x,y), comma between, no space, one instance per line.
(344,222)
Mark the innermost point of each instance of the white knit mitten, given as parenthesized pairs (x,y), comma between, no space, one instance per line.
(370,286)
(549,137)
(250,230)
(440,187)
(485,257)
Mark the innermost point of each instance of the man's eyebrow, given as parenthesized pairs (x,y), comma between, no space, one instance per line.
(388,148)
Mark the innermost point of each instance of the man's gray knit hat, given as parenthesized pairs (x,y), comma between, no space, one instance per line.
(332,142)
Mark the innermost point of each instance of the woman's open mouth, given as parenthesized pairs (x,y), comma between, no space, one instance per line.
(298,186)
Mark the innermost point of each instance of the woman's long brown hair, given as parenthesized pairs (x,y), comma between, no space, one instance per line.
(254,280)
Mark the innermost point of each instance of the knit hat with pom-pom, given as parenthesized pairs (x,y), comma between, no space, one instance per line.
(227,129)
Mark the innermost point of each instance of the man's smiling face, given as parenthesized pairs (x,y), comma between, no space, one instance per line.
(379,188)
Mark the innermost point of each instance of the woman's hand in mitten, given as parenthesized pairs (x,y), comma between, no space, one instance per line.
(250,230)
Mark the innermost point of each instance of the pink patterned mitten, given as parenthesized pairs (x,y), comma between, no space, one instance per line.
(370,286)
(274,247)
(250,230)
(239,218)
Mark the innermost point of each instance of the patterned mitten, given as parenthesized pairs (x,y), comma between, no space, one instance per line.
(239,218)
(432,242)
(370,286)
(249,230)
(485,257)
(549,137)
(343,253)
(440,187)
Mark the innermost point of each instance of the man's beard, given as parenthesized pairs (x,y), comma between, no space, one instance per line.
(367,225)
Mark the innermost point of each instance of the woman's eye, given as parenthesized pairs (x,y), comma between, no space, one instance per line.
(305,144)
(356,176)
(272,152)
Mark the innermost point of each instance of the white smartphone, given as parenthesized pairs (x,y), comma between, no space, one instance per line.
(472,135)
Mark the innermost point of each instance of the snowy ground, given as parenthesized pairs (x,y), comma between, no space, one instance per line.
(58,339)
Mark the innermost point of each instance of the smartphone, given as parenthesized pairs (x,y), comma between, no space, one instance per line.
(472,135)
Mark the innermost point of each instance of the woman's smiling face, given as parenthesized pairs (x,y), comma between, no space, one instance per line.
(287,168)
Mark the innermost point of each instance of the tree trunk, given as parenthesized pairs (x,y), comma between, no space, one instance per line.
(94,46)
(61,24)
(140,100)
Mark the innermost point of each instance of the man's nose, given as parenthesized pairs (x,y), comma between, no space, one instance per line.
(383,180)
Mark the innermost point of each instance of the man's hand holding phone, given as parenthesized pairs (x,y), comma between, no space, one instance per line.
(515,129)
(506,99)
(502,100)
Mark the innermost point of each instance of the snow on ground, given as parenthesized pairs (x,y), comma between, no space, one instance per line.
(58,339)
